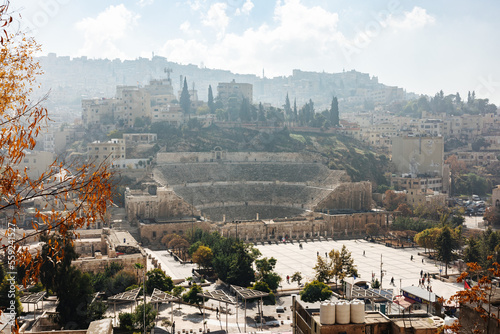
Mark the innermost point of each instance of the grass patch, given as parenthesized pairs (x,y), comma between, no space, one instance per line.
(298,137)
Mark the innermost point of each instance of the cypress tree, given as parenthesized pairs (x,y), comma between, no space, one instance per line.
(334,112)
(288,109)
(185,100)
(211,104)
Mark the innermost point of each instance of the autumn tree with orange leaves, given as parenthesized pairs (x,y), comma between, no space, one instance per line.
(75,195)
(477,300)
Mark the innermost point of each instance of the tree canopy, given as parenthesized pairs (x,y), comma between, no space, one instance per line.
(315,291)
(156,278)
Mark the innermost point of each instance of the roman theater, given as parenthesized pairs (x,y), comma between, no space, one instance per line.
(251,195)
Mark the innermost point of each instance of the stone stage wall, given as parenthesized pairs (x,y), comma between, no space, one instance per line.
(299,228)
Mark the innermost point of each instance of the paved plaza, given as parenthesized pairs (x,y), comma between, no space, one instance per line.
(291,258)
(397,263)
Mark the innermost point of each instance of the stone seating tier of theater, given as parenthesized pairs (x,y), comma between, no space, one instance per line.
(228,186)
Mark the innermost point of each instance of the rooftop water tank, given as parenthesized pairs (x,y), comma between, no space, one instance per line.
(343,313)
(327,313)
(357,311)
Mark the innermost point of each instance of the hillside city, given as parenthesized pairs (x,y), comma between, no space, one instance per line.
(313,203)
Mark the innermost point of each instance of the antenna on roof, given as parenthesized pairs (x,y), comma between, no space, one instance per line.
(168,71)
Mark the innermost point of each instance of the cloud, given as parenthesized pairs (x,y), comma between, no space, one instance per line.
(381,24)
(417,18)
(103,32)
(217,18)
(188,29)
(196,5)
(185,26)
(185,51)
(144,3)
(298,34)
(245,9)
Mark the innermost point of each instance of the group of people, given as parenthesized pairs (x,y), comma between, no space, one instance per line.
(423,278)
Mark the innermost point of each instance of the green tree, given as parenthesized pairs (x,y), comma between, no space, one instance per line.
(334,112)
(297,277)
(156,278)
(287,107)
(120,282)
(74,291)
(261,115)
(139,122)
(468,184)
(192,296)
(323,269)
(489,245)
(96,311)
(194,247)
(245,111)
(264,287)
(295,113)
(427,238)
(233,108)
(138,317)
(472,252)
(265,266)
(126,321)
(51,272)
(261,286)
(315,291)
(233,262)
(479,143)
(265,272)
(446,243)
(342,264)
(178,290)
(185,99)
(211,104)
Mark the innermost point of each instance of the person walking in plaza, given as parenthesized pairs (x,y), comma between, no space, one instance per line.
(173,327)
(421,273)
(217,312)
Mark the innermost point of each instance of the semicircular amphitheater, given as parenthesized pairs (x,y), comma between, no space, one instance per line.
(248,186)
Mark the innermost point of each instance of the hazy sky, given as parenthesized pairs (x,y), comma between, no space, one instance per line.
(423,46)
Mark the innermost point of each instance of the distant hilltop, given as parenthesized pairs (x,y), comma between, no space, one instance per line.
(70,79)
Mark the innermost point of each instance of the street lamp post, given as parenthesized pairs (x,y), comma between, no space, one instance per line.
(381,271)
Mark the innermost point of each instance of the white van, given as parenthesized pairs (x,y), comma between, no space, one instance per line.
(476,198)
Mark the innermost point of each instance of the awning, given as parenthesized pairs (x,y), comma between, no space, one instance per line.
(403,301)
